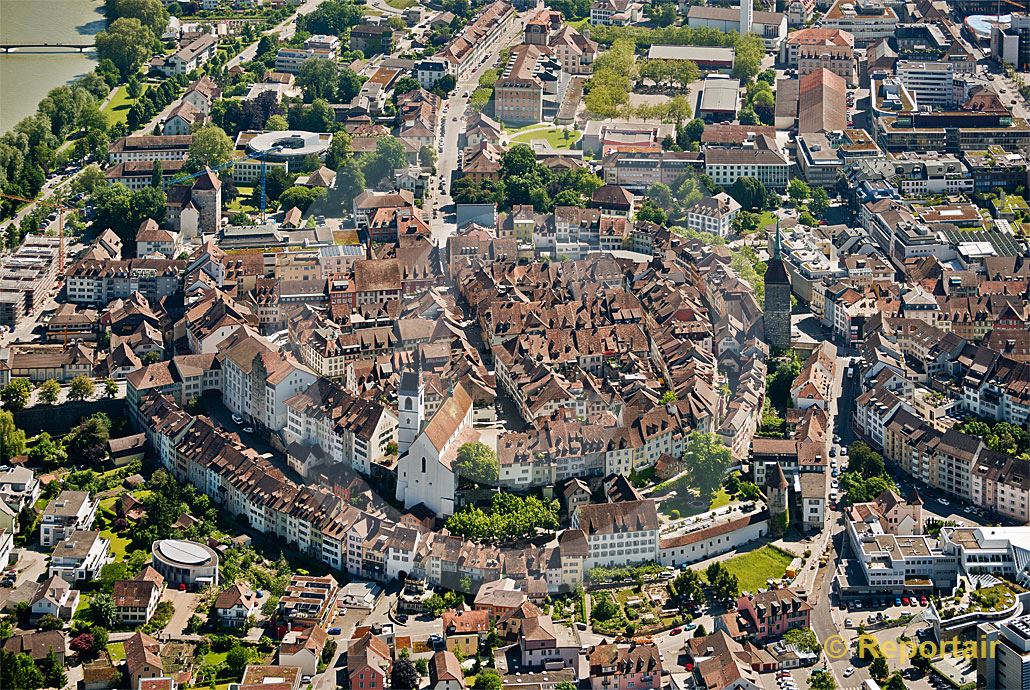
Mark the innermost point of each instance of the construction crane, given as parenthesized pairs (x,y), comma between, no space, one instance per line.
(61,208)
(259,156)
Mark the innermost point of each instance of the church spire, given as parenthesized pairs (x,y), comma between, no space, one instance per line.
(776,243)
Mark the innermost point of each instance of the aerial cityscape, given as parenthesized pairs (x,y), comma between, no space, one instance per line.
(514,344)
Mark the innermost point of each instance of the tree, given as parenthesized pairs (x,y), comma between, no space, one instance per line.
(388,156)
(798,191)
(49,622)
(276,123)
(301,197)
(822,681)
(210,147)
(405,84)
(12,439)
(477,462)
(134,88)
(434,605)
(865,461)
(804,639)
(688,586)
(54,675)
(89,180)
(19,671)
(748,53)
(101,610)
(404,675)
(820,201)
(879,669)
(487,679)
(110,388)
(334,17)
(81,388)
(123,210)
(16,394)
(150,13)
(749,193)
(318,79)
(604,608)
(349,84)
(86,443)
(707,459)
(46,453)
(126,43)
(651,212)
(237,660)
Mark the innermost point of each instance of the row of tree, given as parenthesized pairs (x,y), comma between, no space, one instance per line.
(509,518)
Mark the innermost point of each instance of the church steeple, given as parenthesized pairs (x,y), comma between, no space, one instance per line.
(776,242)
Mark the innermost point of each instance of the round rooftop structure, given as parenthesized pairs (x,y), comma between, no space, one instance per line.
(289,145)
(980,25)
(185,562)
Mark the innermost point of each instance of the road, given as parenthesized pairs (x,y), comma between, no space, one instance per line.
(454,111)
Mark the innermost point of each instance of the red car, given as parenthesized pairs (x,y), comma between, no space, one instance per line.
(182,586)
(676,631)
(922,601)
(906,601)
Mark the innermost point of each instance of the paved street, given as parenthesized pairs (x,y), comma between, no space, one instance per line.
(453,121)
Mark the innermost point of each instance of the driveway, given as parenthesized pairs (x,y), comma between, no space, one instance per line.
(185,605)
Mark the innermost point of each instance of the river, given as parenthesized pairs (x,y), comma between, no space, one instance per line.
(26,76)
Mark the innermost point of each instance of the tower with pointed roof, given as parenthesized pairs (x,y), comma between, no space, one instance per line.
(206,195)
(777,498)
(777,299)
(411,407)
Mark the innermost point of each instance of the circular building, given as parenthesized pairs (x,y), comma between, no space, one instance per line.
(185,562)
(290,147)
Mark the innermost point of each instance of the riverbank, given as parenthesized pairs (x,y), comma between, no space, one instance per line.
(26,76)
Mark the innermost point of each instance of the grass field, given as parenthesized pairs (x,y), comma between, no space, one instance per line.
(116,650)
(754,568)
(117,109)
(242,201)
(554,137)
(214,658)
(119,545)
(685,501)
(579,23)
(401,4)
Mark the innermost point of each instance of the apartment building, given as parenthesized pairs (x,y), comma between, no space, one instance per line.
(189,57)
(101,282)
(291,60)
(760,158)
(930,83)
(70,511)
(866,20)
(139,174)
(531,88)
(713,214)
(817,48)
(638,170)
(931,173)
(149,148)
(619,534)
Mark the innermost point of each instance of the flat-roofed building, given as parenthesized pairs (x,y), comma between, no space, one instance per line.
(707,58)
(866,20)
(531,88)
(720,99)
(149,148)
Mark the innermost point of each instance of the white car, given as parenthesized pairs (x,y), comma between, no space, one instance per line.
(248,430)
(849,671)
(238,419)
(944,502)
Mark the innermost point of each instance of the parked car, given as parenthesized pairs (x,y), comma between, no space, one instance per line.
(248,430)
(897,601)
(238,419)
(849,671)
(676,631)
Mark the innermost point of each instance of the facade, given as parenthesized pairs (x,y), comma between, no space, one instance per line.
(185,562)
(70,511)
(713,214)
(531,88)
(619,534)
(760,159)
(79,556)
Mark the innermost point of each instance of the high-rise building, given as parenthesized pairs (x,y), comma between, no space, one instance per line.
(777,299)
(747,16)
(1003,655)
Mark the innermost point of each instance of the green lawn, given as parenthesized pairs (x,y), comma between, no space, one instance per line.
(554,137)
(116,650)
(214,658)
(117,109)
(119,545)
(401,4)
(686,501)
(754,568)
(579,23)
(107,505)
(80,610)
(720,499)
(242,201)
